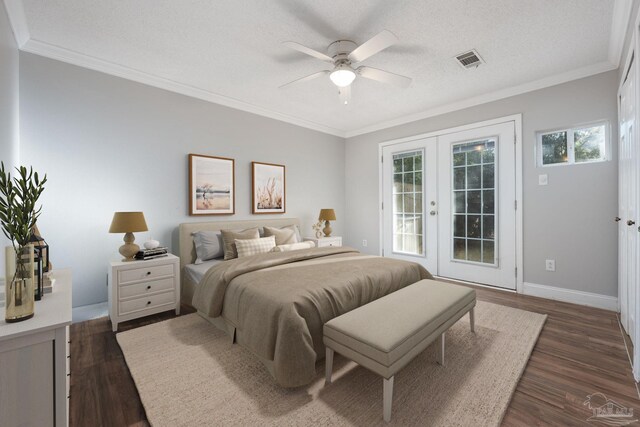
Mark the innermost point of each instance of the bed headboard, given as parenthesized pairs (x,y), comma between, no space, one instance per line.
(185,239)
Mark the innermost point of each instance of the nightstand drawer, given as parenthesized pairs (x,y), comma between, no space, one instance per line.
(145,288)
(127,276)
(323,243)
(150,301)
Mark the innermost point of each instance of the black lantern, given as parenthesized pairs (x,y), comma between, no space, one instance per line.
(40,263)
(37,273)
(41,246)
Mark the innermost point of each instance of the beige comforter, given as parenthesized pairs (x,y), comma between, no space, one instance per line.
(279,302)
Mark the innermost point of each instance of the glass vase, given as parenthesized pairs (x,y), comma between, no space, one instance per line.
(19,283)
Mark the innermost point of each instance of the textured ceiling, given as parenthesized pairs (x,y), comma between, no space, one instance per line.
(233,48)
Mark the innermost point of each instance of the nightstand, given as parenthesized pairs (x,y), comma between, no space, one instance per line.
(322,242)
(141,288)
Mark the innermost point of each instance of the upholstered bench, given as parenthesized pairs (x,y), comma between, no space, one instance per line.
(386,334)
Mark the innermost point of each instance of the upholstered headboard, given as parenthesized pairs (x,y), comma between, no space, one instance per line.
(185,239)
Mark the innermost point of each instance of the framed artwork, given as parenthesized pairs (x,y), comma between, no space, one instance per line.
(211,185)
(268,188)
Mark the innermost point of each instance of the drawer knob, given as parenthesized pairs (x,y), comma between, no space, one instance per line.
(148,287)
(148,302)
(148,273)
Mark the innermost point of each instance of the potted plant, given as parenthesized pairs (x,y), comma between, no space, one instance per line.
(18,215)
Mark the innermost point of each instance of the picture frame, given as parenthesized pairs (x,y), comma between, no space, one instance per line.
(268,188)
(212,187)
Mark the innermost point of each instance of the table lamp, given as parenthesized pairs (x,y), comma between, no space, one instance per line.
(327,215)
(128,222)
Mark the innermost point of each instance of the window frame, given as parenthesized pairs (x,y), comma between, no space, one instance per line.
(570,130)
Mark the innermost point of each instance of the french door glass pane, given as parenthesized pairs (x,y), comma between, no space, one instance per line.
(408,236)
(473,201)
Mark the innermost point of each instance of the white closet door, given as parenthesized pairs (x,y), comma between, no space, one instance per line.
(627,200)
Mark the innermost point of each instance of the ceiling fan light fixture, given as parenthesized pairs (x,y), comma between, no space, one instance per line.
(342,76)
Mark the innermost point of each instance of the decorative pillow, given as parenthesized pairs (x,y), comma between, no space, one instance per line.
(208,245)
(250,247)
(297,231)
(229,240)
(294,246)
(284,236)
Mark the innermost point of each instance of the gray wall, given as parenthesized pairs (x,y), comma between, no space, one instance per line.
(569,220)
(108,144)
(9,125)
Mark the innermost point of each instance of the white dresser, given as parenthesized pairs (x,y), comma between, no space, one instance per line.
(35,360)
(322,242)
(141,288)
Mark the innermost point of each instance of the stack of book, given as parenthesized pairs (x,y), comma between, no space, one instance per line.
(152,253)
(47,283)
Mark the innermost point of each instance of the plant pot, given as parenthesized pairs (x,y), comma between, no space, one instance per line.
(19,284)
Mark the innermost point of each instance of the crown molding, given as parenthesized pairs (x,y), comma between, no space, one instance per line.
(17,18)
(619,25)
(18,21)
(557,79)
(85,61)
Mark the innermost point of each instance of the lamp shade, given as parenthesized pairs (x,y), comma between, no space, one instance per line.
(128,222)
(327,215)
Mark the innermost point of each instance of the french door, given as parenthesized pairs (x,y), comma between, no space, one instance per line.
(449,203)
(409,187)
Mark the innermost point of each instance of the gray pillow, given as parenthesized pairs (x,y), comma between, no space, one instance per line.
(208,245)
(229,240)
(284,235)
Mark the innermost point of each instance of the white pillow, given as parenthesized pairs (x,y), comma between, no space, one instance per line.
(294,246)
(248,247)
(208,245)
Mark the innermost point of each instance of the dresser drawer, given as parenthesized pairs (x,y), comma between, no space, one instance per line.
(151,301)
(134,275)
(145,288)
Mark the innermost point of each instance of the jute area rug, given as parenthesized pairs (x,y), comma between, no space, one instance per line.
(189,374)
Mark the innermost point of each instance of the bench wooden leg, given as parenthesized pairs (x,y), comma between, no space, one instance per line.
(387,399)
(328,361)
(472,319)
(440,351)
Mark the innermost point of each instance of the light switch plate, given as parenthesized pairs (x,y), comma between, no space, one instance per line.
(543,179)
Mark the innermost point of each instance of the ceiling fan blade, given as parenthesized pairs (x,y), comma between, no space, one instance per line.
(383,76)
(345,94)
(380,41)
(307,78)
(308,51)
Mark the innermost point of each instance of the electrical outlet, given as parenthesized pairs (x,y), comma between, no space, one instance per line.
(550,264)
(543,179)
(364,243)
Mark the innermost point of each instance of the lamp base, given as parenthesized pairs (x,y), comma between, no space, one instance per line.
(327,229)
(129,249)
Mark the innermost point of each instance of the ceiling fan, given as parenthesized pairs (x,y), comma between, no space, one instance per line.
(343,54)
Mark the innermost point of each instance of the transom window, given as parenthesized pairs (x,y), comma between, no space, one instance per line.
(583,144)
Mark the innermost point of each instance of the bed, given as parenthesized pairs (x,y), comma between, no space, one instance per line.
(275,304)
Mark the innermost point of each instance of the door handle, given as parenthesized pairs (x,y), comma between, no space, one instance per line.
(432,213)
(630,222)
(617,219)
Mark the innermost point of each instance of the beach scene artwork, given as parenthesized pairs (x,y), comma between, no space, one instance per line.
(212,185)
(268,188)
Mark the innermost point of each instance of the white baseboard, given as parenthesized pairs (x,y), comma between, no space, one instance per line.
(569,295)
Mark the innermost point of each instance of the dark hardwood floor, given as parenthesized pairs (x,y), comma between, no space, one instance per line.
(580,351)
